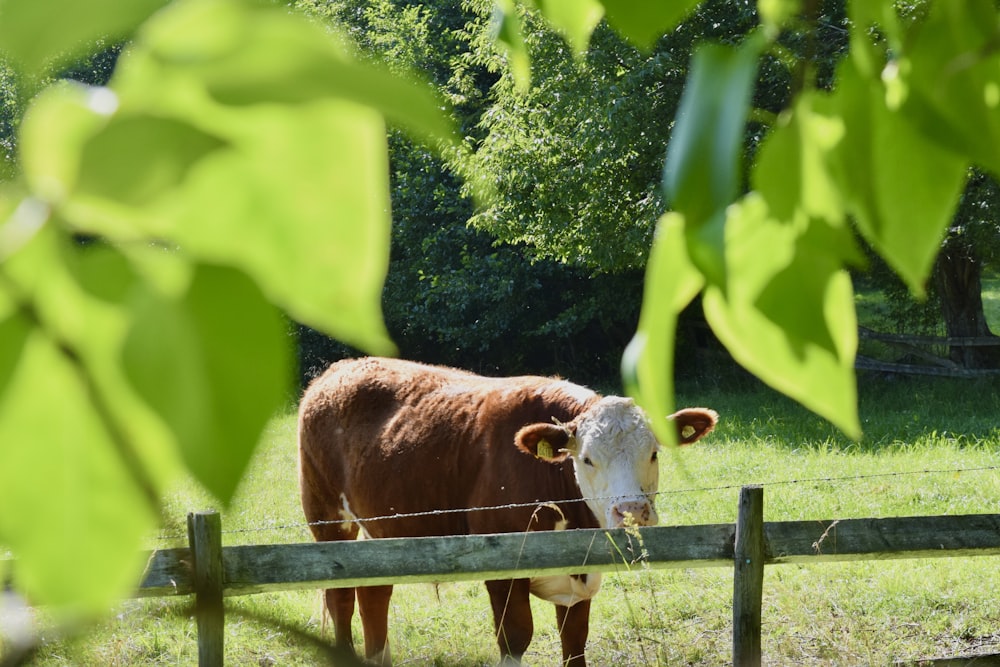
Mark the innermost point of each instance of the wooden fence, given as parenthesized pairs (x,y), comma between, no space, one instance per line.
(927,351)
(210,571)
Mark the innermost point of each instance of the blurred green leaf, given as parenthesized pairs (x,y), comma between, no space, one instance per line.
(294,191)
(877,164)
(55,127)
(795,296)
(37,34)
(78,548)
(672,282)
(865,18)
(775,13)
(216,365)
(642,22)
(702,172)
(797,334)
(950,79)
(90,300)
(252,54)
(307,199)
(66,421)
(792,171)
(508,35)
(576,19)
(14,332)
(79,295)
(121,166)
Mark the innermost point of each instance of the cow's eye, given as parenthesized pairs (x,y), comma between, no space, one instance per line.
(587,461)
(655,456)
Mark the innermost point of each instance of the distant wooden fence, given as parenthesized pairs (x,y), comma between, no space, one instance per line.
(210,571)
(921,348)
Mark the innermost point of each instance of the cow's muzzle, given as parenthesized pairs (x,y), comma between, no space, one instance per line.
(633,513)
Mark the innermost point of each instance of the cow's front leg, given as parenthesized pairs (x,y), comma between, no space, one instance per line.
(511,617)
(574,625)
(373,603)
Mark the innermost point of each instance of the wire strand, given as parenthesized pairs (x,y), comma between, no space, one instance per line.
(540,503)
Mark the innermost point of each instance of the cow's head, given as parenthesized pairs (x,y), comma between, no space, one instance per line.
(614,455)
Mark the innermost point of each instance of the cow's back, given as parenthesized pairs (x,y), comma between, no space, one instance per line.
(381,437)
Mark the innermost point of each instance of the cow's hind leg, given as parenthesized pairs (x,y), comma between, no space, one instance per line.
(511,617)
(373,602)
(340,604)
(323,516)
(574,625)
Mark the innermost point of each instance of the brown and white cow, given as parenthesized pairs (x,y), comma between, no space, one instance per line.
(381,437)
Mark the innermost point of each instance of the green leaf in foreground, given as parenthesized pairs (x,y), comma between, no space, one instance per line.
(576,19)
(701,175)
(258,54)
(285,178)
(307,198)
(900,186)
(775,13)
(507,32)
(799,336)
(642,22)
(69,509)
(120,165)
(793,172)
(950,77)
(794,179)
(215,364)
(55,127)
(648,363)
(39,33)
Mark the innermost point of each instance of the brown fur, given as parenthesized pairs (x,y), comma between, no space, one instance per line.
(396,437)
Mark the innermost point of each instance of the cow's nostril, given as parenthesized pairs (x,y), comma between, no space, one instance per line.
(631,514)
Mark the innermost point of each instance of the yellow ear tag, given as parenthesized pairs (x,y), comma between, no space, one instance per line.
(544,450)
(687,431)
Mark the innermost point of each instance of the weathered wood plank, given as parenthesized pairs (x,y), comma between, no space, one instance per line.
(748,577)
(251,569)
(883,539)
(864,363)
(205,537)
(168,572)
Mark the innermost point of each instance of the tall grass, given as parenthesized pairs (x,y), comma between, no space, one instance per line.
(929,448)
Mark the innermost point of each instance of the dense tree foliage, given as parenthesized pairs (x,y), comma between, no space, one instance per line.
(574,165)
(574,162)
(453,294)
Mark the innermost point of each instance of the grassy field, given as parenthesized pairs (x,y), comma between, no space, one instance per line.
(929,448)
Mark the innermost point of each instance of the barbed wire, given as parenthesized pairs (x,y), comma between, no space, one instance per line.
(543,503)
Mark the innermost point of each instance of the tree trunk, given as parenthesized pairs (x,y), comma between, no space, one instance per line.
(958,277)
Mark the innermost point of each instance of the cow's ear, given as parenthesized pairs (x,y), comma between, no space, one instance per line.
(693,424)
(550,442)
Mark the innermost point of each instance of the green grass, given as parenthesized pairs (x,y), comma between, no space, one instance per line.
(991,302)
(928,449)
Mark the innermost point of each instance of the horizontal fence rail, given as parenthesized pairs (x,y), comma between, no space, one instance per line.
(211,571)
(261,568)
(914,346)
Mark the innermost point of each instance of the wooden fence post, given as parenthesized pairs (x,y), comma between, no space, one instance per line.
(748,577)
(205,539)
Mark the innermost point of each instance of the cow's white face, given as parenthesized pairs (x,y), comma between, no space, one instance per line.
(614,455)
